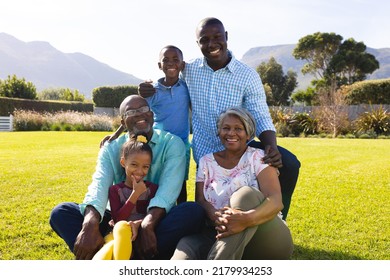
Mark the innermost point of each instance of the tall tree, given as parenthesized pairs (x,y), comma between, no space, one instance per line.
(318,50)
(352,63)
(332,61)
(281,85)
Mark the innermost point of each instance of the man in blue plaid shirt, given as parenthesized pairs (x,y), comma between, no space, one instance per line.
(218,81)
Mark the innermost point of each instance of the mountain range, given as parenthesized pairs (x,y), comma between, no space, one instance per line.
(283,56)
(45,66)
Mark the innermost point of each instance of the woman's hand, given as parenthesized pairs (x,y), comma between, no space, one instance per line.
(230,221)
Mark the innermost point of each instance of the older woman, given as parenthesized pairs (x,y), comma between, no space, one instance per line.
(242,198)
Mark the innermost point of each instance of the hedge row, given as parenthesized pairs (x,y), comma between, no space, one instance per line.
(112,97)
(368,92)
(9,105)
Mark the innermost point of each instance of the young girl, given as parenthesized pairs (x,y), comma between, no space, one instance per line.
(129,201)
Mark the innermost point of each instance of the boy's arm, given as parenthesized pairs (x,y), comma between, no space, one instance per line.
(112,137)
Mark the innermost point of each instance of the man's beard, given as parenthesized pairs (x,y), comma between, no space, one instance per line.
(145,130)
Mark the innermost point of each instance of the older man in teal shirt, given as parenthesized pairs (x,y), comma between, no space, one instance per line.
(83,226)
(167,170)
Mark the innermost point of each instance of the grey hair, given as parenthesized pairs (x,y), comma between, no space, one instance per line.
(244,116)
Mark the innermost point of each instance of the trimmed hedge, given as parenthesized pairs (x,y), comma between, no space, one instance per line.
(9,105)
(112,96)
(368,92)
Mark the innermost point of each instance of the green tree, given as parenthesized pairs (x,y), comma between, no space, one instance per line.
(304,96)
(352,63)
(281,85)
(318,50)
(17,88)
(332,61)
(61,94)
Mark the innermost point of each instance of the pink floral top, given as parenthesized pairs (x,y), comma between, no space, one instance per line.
(220,183)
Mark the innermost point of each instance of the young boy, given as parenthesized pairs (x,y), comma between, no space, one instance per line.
(171,103)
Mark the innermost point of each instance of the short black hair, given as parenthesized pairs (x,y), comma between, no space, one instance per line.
(171,47)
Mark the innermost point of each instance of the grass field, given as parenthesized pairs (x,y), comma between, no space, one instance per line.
(340,209)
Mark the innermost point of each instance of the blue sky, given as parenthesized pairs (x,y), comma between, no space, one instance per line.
(128,34)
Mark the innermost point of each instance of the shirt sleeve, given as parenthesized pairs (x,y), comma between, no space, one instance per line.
(256,159)
(173,165)
(103,177)
(200,172)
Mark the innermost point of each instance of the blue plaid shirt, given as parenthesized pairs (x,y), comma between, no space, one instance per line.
(212,92)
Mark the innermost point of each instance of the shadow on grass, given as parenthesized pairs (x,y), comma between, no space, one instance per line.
(302,253)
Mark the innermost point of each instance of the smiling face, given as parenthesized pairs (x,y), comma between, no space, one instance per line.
(171,62)
(212,41)
(139,122)
(136,165)
(232,133)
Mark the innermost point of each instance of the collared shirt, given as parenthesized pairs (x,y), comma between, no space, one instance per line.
(212,92)
(220,183)
(167,171)
(171,106)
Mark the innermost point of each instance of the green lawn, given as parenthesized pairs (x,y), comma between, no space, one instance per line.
(340,209)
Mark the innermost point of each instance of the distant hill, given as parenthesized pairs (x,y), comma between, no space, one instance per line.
(283,56)
(45,66)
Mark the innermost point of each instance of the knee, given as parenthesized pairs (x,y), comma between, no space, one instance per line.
(192,247)
(246,198)
(290,161)
(122,225)
(56,215)
(122,228)
(192,214)
(194,209)
(184,250)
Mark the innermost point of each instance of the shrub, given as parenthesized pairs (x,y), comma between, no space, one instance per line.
(377,121)
(303,123)
(66,121)
(368,92)
(288,123)
(281,119)
(17,88)
(61,94)
(29,121)
(112,96)
(9,105)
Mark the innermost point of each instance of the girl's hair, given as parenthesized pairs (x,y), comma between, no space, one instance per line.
(244,116)
(133,146)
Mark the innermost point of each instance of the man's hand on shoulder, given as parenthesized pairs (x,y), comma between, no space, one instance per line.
(272,156)
(146,89)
